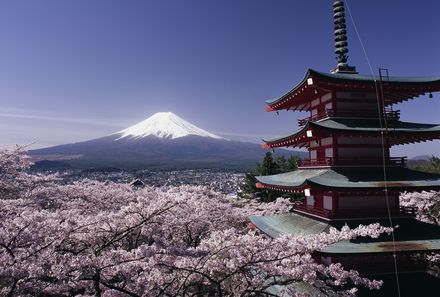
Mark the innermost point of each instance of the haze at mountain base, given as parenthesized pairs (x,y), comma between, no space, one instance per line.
(162,141)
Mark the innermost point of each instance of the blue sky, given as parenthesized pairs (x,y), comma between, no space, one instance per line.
(77,70)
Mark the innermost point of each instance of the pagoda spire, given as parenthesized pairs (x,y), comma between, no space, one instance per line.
(341,44)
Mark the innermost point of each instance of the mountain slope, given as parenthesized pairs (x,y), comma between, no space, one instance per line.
(162,141)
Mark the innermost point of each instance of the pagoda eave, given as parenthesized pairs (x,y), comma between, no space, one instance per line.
(347,248)
(318,188)
(395,132)
(296,224)
(301,141)
(299,138)
(287,189)
(351,179)
(315,83)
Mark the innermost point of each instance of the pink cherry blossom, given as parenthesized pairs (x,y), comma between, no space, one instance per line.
(90,238)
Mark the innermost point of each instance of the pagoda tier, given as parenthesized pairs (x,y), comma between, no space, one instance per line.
(351,179)
(362,254)
(397,132)
(320,86)
(278,225)
(344,193)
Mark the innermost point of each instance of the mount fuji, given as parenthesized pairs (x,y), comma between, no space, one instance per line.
(164,125)
(162,141)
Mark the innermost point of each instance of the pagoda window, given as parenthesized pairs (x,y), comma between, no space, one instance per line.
(313,154)
(310,201)
(329,152)
(326,141)
(328,202)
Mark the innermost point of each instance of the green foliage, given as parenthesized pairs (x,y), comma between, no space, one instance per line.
(432,165)
(248,188)
(287,165)
(269,166)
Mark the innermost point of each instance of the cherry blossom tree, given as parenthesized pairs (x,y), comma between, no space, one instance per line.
(427,206)
(91,238)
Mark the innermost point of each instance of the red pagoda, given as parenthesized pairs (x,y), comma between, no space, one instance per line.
(350,177)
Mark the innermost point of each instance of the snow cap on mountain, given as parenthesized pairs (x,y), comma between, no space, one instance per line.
(164,125)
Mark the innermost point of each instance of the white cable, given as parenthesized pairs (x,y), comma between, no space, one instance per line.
(383,145)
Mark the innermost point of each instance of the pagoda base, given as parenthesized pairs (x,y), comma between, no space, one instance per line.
(371,257)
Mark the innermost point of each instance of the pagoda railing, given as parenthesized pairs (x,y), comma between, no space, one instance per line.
(392,161)
(325,213)
(402,211)
(389,114)
(313,118)
(315,162)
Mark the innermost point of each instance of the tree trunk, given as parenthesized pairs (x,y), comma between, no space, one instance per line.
(96,279)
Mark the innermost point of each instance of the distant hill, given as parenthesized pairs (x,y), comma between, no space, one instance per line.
(421,157)
(163,141)
(418,161)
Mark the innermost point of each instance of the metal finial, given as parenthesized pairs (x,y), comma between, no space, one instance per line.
(341,49)
(341,44)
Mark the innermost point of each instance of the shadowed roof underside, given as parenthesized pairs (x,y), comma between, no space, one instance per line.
(397,132)
(315,83)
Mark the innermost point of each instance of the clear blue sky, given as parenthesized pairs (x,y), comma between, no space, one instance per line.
(77,70)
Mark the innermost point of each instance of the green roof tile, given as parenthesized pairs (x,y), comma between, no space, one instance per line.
(407,235)
(371,78)
(353,177)
(368,79)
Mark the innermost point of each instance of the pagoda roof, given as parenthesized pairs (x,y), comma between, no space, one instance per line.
(371,78)
(397,89)
(397,132)
(351,178)
(291,223)
(410,235)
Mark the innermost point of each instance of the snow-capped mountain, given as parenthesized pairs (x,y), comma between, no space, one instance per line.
(164,125)
(163,141)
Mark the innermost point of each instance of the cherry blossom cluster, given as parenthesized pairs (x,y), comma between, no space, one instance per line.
(427,205)
(91,238)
